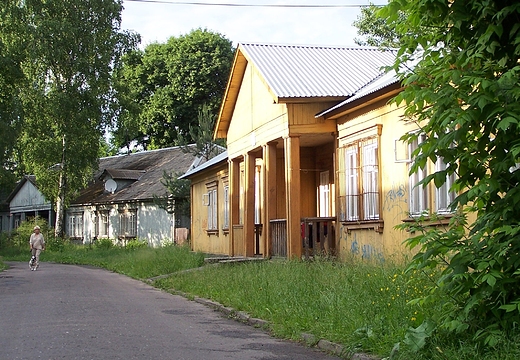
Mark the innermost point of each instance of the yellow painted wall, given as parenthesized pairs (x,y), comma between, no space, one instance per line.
(256,118)
(367,243)
(201,240)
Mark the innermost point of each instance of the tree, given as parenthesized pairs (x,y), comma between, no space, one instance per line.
(463,91)
(178,198)
(72,49)
(201,136)
(162,89)
(375,31)
(11,78)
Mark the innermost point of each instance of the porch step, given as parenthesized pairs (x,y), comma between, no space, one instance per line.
(231,259)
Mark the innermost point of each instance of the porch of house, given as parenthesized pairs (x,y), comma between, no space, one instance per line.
(282,199)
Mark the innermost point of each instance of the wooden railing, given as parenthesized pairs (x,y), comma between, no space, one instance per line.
(278,237)
(318,234)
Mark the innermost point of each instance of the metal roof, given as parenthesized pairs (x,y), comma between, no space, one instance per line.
(381,82)
(222,157)
(296,71)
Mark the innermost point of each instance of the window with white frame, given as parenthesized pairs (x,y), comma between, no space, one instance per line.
(128,223)
(225,225)
(418,192)
(75,225)
(324,194)
(102,224)
(210,200)
(362,199)
(444,195)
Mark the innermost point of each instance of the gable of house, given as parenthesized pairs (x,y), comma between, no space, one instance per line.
(24,202)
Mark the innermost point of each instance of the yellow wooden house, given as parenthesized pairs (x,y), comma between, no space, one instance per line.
(314,163)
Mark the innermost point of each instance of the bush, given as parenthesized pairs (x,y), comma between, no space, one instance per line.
(104,244)
(136,244)
(20,237)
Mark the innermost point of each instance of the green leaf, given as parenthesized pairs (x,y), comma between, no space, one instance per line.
(415,338)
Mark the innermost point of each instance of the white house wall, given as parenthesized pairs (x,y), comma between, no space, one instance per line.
(154,225)
(29,198)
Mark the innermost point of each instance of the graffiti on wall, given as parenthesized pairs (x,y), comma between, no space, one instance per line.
(369,252)
(354,247)
(396,200)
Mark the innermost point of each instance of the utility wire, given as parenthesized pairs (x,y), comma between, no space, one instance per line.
(252,5)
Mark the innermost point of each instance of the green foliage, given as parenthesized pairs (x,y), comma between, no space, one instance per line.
(464,93)
(67,65)
(200,140)
(374,30)
(415,338)
(23,232)
(161,90)
(178,199)
(136,244)
(104,244)
(11,79)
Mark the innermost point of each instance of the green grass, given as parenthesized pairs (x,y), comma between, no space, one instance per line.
(364,307)
(142,263)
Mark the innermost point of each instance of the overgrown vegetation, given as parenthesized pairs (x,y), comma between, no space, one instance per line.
(462,89)
(135,260)
(364,307)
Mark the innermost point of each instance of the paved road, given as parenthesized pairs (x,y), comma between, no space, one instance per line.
(76,312)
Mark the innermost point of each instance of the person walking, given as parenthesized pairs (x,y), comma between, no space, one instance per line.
(37,243)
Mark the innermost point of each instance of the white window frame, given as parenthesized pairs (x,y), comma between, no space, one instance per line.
(324,194)
(371,197)
(212,210)
(128,223)
(225,224)
(418,193)
(444,196)
(75,225)
(103,223)
(352,183)
(362,191)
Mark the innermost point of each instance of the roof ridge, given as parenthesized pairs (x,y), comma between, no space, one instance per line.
(146,151)
(317,46)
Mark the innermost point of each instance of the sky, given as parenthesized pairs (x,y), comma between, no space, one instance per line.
(158,20)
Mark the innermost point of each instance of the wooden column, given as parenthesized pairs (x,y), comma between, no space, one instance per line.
(249,204)
(234,201)
(292,189)
(270,212)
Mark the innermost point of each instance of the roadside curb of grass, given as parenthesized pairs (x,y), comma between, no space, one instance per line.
(309,339)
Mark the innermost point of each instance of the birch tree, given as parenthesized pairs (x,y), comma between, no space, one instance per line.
(11,77)
(73,46)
